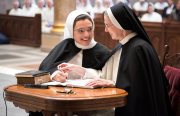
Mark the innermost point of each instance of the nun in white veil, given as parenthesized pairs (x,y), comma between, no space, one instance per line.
(78,47)
(98,8)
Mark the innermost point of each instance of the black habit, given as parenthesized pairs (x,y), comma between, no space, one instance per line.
(140,72)
(66,50)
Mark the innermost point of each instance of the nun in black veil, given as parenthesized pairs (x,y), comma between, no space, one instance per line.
(133,66)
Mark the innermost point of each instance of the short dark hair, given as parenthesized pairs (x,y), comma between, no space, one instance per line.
(82,17)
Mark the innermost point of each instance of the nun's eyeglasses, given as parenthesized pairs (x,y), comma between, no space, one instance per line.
(81,31)
(108,25)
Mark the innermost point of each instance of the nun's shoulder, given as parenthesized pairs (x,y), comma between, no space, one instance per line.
(65,42)
(101,47)
(138,42)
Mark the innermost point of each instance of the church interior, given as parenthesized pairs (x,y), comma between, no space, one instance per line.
(30,29)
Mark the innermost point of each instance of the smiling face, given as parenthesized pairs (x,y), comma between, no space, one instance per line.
(83,32)
(116,34)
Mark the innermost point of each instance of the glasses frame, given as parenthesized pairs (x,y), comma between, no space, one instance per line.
(108,26)
(81,33)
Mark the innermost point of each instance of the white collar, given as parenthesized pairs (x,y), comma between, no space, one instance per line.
(127,38)
(91,45)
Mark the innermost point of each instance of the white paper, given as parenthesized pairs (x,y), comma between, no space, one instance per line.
(74,83)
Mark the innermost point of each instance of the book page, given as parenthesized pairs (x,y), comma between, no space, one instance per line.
(71,83)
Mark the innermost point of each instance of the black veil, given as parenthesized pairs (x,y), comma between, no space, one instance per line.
(128,20)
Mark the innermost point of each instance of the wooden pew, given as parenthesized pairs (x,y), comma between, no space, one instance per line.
(159,11)
(99,16)
(22,30)
(172,35)
(155,32)
(160,34)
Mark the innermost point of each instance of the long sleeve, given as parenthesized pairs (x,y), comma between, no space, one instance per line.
(109,71)
(75,60)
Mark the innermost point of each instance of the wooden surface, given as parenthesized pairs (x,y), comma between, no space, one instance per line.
(22,30)
(51,102)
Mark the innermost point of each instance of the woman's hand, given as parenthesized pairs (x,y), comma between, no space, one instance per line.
(60,76)
(67,67)
(98,82)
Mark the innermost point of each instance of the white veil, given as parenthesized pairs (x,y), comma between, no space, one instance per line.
(68,31)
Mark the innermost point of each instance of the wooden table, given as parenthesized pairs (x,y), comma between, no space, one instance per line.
(50,102)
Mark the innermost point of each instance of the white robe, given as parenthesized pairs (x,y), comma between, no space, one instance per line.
(49,19)
(16,12)
(89,8)
(109,72)
(28,12)
(160,6)
(153,17)
(42,12)
(169,9)
(43,21)
(137,6)
(33,6)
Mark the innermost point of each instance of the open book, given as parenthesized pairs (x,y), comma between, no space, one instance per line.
(77,83)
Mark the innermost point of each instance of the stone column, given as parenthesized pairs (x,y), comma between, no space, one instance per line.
(62,8)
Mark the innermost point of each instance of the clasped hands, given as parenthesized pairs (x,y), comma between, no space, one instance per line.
(64,68)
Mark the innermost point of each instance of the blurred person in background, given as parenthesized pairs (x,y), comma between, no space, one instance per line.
(34,5)
(41,10)
(88,7)
(124,1)
(160,5)
(167,10)
(16,10)
(28,10)
(151,16)
(141,5)
(109,3)
(48,17)
(175,14)
(98,8)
